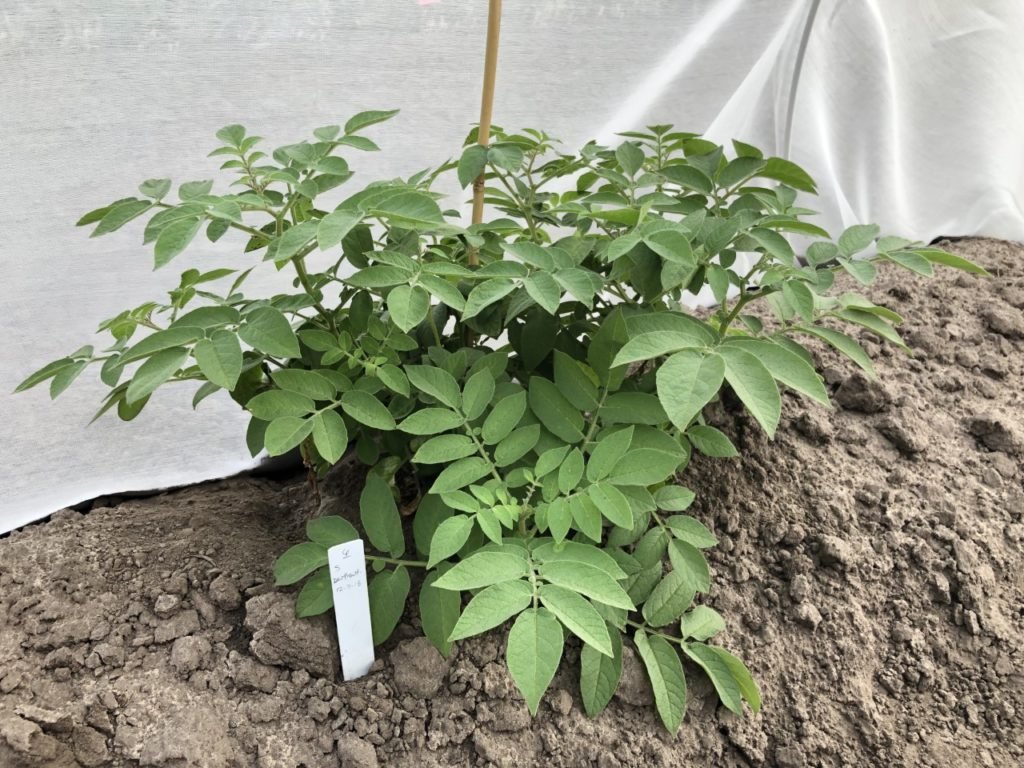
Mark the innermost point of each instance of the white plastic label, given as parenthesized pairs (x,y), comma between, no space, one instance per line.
(351,608)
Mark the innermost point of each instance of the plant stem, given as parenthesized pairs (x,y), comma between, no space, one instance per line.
(648,630)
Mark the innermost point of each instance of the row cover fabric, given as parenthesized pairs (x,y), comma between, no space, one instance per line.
(908,114)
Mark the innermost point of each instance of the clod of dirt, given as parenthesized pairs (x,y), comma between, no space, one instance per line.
(864,395)
(998,433)
(1006,321)
(278,637)
(419,668)
(354,752)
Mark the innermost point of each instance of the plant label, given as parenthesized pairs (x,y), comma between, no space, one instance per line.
(351,608)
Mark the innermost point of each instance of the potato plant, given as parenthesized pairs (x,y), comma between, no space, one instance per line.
(539,376)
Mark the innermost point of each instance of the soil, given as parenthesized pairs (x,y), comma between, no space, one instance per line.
(870,570)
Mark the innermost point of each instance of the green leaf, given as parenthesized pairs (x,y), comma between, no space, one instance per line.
(533,653)
(435,382)
(492,607)
(672,246)
(545,290)
(599,675)
(276,403)
(647,346)
(578,615)
(800,298)
(367,409)
(120,214)
(334,226)
(370,117)
(444,449)
(711,442)
(737,671)
(856,238)
(309,383)
(232,134)
(559,519)
(691,530)
(788,367)
(220,358)
(580,553)
(298,562)
(408,306)
(725,685)
(460,474)
(554,411)
(330,530)
(610,449)
(430,421)
(443,291)
(687,558)
(505,155)
(512,448)
(316,596)
(844,344)
(576,381)
(477,394)
(155,188)
(439,612)
(788,173)
(587,580)
(394,379)
(686,382)
(449,538)
(483,569)
(754,385)
(503,418)
(388,592)
(154,372)
(630,157)
(379,515)
(472,164)
(912,261)
(415,209)
(51,369)
(702,623)
(430,513)
(645,466)
(667,679)
(285,433)
(612,504)
(174,239)
(330,435)
(674,498)
(586,516)
(937,256)
(485,294)
(571,471)
(267,330)
(669,599)
(294,240)
(193,189)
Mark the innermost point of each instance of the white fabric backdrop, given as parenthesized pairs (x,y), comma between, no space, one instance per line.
(908,113)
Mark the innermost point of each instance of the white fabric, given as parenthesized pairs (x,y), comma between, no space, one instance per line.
(908,113)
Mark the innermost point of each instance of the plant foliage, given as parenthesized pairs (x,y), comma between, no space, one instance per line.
(539,374)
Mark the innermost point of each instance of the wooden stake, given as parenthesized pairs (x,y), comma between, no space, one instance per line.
(486,107)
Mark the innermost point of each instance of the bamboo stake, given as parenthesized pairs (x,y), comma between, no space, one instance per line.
(486,107)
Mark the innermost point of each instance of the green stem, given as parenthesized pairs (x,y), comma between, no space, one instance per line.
(649,631)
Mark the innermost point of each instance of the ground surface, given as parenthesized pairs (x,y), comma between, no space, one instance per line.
(871,571)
